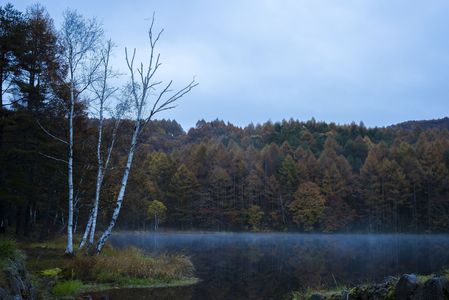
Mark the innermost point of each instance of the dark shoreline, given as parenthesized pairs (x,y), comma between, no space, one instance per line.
(404,287)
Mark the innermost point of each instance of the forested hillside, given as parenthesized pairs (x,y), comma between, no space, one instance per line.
(289,175)
(425,124)
(307,176)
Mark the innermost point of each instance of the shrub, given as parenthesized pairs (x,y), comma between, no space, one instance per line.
(67,288)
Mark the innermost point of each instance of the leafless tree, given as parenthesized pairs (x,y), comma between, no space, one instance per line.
(103,92)
(79,39)
(143,88)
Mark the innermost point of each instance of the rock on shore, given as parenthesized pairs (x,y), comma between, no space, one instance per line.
(405,287)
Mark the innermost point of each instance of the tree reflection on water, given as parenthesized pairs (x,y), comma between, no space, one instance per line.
(271,265)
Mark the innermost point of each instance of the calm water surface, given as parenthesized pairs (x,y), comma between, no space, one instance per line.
(271,265)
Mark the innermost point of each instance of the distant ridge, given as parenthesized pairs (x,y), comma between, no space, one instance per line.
(424,124)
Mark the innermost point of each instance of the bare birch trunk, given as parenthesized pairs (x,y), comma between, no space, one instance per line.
(104,237)
(79,40)
(69,247)
(89,232)
(86,232)
(103,92)
(99,178)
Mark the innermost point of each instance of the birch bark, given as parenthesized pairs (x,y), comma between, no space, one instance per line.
(69,247)
(104,237)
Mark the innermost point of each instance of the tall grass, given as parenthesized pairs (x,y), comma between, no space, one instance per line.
(131,264)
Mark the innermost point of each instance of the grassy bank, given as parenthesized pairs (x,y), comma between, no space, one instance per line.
(56,275)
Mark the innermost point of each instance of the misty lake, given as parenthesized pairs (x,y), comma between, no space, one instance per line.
(271,265)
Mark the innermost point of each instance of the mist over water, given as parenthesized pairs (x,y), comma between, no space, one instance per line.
(271,265)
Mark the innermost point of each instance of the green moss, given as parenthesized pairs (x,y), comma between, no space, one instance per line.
(391,293)
(51,272)
(67,288)
(307,293)
(423,278)
(353,291)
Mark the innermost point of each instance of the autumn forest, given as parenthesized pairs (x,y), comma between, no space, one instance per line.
(290,175)
(306,176)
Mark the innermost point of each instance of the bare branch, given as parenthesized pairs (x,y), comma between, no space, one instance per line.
(131,69)
(161,94)
(173,98)
(6,90)
(111,145)
(51,135)
(54,158)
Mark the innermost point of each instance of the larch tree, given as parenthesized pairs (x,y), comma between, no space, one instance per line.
(255,215)
(308,206)
(38,67)
(288,178)
(372,185)
(12,34)
(183,189)
(435,172)
(406,156)
(143,84)
(159,168)
(38,60)
(11,40)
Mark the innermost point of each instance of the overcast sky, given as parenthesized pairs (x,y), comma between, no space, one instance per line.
(379,61)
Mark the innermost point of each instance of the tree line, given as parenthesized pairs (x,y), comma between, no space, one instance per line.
(292,175)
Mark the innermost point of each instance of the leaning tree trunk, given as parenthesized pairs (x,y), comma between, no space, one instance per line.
(99,178)
(89,233)
(104,237)
(86,231)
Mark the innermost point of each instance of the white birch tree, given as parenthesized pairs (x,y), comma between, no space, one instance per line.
(143,87)
(103,92)
(79,39)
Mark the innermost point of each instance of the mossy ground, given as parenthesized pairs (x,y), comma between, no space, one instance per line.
(57,275)
(328,293)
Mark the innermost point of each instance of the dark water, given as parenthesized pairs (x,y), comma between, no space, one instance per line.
(270,266)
